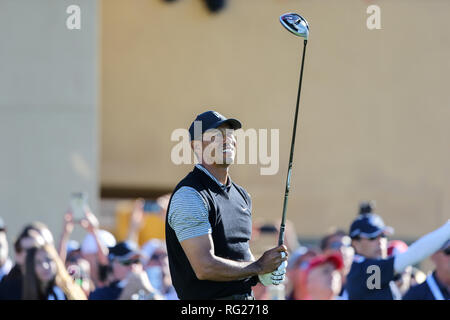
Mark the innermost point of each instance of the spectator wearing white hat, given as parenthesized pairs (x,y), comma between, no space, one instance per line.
(94,248)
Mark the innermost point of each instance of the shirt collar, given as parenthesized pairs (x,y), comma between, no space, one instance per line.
(221,185)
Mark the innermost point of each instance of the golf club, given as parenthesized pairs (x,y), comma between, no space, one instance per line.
(297,25)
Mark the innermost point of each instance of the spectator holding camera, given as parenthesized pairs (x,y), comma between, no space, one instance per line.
(46,278)
(94,248)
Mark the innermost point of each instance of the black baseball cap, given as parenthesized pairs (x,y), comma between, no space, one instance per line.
(124,251)
(211,120)
(368,226)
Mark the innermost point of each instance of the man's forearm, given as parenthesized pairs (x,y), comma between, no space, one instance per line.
(220,269)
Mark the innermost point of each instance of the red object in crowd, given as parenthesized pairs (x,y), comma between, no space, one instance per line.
(300,291)
(334,258)
(396,247)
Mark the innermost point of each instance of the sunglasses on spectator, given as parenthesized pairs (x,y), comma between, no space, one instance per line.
(129,262)
(336,245)
(447,251)
(374,237)
(158,256)
(383,236)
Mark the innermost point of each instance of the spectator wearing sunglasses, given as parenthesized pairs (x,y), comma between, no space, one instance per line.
(338,242)
(156,264)
(46,278)
(32,235)
(127,274)
(372,274)
(437,284)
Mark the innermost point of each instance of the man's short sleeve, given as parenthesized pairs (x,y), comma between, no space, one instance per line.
(188,214)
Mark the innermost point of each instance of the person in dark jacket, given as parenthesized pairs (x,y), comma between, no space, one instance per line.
(372,275)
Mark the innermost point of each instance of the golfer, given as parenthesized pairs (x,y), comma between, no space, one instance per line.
(208,225)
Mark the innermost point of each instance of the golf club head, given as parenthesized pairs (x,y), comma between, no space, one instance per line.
(296,24)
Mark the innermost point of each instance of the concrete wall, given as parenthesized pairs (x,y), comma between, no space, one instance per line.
(48,111)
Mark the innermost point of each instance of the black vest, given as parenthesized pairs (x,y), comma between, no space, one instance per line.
(230,219)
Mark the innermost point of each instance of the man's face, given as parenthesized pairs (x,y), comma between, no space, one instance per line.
(373,248)
(442,262)
(158,258)
(218,146)
(341,244)
(324,282)
(121,269)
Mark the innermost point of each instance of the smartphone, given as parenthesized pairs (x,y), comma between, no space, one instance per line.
(78,205)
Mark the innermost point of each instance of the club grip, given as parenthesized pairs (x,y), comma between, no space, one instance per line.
(281,235)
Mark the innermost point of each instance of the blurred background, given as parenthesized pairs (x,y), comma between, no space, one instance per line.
(93,109)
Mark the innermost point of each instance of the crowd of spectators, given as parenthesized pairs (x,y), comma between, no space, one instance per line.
(102,268)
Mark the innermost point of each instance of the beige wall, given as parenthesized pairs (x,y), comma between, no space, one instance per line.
(374,110)
(48,112)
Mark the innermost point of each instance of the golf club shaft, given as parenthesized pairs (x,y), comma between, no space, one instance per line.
(291,156)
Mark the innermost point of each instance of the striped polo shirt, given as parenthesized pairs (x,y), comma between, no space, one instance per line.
(188,212)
